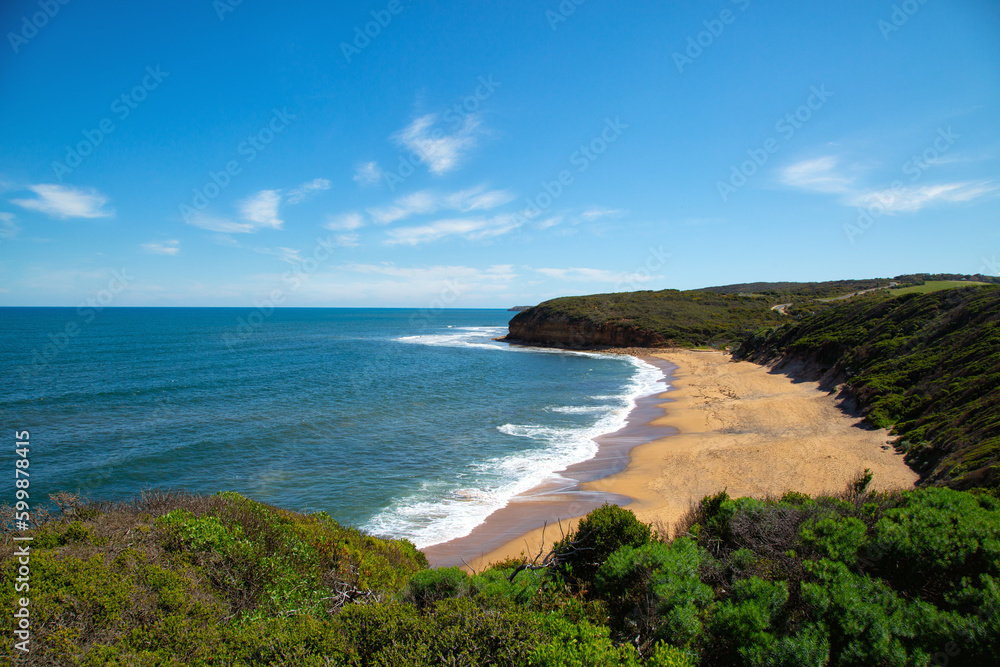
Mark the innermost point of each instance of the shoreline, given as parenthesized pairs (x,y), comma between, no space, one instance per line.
(564,496)
(745,428)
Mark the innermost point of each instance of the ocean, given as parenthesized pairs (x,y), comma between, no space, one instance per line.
(404,423)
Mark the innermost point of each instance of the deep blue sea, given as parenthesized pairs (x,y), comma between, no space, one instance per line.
(406,423)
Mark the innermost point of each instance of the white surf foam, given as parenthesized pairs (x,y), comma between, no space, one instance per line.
(445,511)
(576,409)
(483,337)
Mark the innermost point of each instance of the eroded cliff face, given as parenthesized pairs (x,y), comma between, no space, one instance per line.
(560,331)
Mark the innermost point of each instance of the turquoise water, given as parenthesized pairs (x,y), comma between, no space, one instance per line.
(411,424)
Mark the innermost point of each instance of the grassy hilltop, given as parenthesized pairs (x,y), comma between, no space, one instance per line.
(709,316)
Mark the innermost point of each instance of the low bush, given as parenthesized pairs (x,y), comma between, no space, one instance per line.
(429,586)
(599,534)
(906,578)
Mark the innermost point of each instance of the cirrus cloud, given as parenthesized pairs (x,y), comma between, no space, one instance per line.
(165,248)
(8,228)
(819,175)
(441,152)
(345,222)
(368,173)
(586,275)
(826,175)
(471,229)
(304,191)
(916,198)
(423,202)
(63,201)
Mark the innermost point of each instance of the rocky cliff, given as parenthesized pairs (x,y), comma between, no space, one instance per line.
(538,326)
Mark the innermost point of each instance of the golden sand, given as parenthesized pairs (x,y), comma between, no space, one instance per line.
(743,428)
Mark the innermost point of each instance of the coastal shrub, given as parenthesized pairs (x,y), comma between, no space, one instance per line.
(902,574)
(57,534)
(665,655)
(85,589)
(127,586)
(429,586)
(581,643)
(655,591)
(299,640)
(835,537)
(744,625)
(455,631)
(496,583)
(748,536)
(185,530)
(265,560)
(868,623)
(935,538)
(599,534)
(862,578)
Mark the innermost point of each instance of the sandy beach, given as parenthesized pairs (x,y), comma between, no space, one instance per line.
(733,425)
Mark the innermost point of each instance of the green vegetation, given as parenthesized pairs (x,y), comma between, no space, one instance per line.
(909,578)
(933,286)
(919,278)
(667,317)
(785,292)
(925,365)
(713,316)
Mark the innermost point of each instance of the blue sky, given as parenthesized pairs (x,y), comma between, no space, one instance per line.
(489,154)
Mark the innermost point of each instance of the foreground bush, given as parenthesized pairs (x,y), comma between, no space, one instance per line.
(908,578)
(170,574)
(894,579)
(597,536)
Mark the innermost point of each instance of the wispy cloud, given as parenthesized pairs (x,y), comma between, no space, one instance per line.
(819,175)
(302,192)
(595,213)
(63,201)
(223,225)
(916,198)
(290,255)
(472,229)
(417,203)
(827,175)
(441,152)
(262,209)
(368,173)
(346,240)
(387,283)
(165,248)
(226,240)
(423,202)
(345,222)
(595,275)
(500,272)
(65,281)
(8,228)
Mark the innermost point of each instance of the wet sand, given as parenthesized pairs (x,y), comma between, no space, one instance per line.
(724,425)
